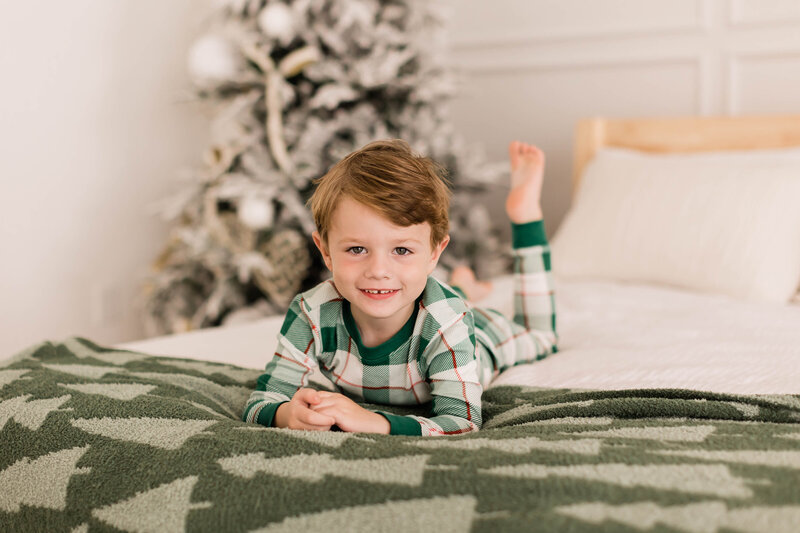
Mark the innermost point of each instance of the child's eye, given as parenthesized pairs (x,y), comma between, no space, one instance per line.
(402,251)
(356,250)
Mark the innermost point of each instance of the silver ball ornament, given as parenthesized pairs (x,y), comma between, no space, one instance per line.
(255,213)
(276,20)
(214,58)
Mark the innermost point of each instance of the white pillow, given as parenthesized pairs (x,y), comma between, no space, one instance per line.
(721,222)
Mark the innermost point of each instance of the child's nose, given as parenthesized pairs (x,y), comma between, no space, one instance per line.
(378,267)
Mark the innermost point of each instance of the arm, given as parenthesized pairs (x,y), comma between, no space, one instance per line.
(452,371)
(450,365)
(285,373)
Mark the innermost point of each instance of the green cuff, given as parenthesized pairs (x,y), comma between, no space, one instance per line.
(528,234)
(266,416)
(402,425)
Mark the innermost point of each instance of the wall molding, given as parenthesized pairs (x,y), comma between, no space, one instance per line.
(737,19)
(571,35)
(568,37)
(721,38)
(578,64)
(734,76)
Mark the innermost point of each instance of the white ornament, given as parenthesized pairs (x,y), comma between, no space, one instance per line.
(276,21)
(214,58)
(255,213)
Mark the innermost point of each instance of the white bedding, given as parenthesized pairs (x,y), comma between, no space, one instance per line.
(612,336)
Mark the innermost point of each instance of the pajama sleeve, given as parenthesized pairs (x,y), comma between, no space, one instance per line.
(450,365)
(287,371)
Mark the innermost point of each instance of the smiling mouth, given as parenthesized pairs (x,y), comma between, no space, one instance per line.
(379,291)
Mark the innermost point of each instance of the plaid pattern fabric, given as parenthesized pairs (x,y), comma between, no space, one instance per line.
(532,334)
(445,354)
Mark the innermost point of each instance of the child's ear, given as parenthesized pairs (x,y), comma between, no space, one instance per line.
(323,249)
(437,252)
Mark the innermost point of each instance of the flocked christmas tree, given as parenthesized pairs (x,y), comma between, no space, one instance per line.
(293,87)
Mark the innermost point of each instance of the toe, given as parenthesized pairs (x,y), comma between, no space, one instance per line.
(534,152)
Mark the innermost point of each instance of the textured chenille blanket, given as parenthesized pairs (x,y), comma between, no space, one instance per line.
(96,439)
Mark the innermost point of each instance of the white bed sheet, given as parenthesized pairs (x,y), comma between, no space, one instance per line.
(612,336)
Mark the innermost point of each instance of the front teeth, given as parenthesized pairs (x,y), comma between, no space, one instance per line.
(377,292)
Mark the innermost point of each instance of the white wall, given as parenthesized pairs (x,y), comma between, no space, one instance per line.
(91,132)
(530,69)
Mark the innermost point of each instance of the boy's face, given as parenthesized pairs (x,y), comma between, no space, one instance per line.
(367,253)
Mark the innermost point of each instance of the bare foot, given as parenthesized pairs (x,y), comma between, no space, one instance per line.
(523,203)
(464,278)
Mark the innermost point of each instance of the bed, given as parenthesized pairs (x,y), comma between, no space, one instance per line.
(672,405)
(660,335)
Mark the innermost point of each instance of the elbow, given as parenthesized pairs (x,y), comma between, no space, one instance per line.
(470,426)
(474,426)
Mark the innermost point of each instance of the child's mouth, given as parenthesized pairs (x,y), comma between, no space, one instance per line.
(379,294)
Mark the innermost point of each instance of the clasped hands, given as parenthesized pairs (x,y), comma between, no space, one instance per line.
(319,410)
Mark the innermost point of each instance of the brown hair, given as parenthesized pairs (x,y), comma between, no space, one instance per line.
(387,176)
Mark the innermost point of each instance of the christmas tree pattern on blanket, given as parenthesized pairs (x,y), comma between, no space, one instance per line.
(96,438)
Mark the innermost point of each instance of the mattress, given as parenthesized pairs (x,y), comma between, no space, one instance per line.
(612,336)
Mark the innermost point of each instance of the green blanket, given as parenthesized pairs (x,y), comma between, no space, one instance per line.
(95,439)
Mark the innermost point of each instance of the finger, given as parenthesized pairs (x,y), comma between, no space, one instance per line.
(323,404)
(326,416)
(310,427)
(309,396)
(310,417)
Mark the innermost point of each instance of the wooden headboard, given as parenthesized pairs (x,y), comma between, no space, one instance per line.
(688,134)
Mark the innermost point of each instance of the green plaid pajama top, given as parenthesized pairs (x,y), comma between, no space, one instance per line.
(446,353)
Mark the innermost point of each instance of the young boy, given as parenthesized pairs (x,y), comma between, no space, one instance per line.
(382,329)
